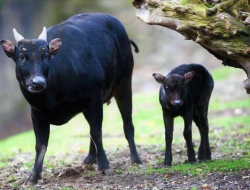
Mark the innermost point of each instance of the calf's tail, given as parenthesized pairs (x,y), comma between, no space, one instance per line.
(135,46)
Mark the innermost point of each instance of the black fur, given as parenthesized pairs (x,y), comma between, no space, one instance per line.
(93,64)
(194,96)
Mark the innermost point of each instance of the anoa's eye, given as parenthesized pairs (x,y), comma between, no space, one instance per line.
(46,56)
(21,57)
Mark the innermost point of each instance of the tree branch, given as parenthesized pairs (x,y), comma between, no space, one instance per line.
(222,27)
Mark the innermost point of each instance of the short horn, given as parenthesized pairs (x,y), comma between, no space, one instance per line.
(43,35)
(18,37)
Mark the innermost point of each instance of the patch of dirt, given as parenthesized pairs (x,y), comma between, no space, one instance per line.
(155,181)
(66,170)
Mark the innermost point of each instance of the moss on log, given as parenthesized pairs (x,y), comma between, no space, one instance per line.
(222,27)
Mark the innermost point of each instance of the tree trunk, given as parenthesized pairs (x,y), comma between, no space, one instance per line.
(220,26)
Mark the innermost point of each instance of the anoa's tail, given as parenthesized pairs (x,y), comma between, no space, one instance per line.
(135,46)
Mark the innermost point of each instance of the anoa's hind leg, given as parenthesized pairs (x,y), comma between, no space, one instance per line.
(94,116)
(91,158)
(123,96)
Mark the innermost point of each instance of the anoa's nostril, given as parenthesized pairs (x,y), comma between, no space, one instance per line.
(34,82)
(38,82)
(177,102)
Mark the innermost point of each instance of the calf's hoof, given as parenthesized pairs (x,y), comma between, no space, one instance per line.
(167,161)
(104,171)
(204,158)
(166,165)
(193,161)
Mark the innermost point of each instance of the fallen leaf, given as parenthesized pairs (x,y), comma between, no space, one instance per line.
(206,186)
(245,177)
(142,186)
(167,176)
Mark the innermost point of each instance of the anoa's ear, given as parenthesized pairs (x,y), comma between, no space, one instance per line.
(159,78)
(8,47)
(54,46)
(188,76)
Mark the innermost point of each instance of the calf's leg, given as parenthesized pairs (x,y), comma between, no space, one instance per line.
(187,133)
(168,121)
(201,121)
(204,152)
(42,130)
(200,118)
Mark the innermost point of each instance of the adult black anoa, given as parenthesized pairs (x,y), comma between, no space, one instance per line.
(74,67)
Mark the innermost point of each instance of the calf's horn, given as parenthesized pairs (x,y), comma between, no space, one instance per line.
(18,37)
(43,35)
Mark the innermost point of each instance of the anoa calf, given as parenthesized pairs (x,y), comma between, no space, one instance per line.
(185,92)
(74,67)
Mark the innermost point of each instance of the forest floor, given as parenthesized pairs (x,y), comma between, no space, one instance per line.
(229,139)
(226,171)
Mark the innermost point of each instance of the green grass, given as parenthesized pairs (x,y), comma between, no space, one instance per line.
(223,73)
(198,169)
(3,164)
(228,122)
(148,121)
(216,105)
(74,136)
(76,133)
(204,168)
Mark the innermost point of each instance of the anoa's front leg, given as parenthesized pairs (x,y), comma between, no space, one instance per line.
(42,130)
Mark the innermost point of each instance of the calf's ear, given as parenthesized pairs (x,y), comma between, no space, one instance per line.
(159,78)
(8,47)
(54,46)
(188,76)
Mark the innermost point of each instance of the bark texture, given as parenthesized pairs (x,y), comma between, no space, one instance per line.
(222,27)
